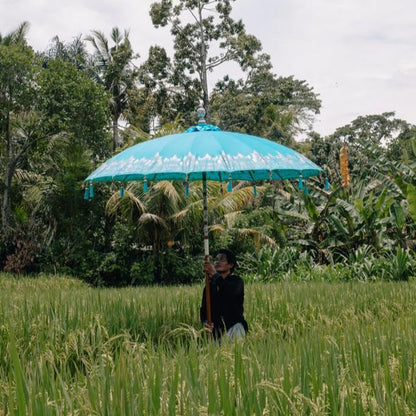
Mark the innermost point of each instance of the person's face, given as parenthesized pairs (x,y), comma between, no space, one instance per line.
(221,264)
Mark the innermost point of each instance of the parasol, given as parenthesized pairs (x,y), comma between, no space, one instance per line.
(204,153)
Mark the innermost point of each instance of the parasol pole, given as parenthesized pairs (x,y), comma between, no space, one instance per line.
(206,247)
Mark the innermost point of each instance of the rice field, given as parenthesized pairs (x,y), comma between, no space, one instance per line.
(313,349)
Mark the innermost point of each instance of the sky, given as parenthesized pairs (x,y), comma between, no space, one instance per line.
(358,55)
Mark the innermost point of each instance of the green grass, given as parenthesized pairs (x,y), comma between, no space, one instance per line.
(313,349)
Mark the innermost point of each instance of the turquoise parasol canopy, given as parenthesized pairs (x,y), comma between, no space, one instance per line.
(205,149)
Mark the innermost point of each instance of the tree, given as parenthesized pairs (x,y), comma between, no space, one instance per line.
(15,37)
(277,108)
(163,97)
(74,52)
(18,68)
(71,102)
(113,68)
(400,146)
(53,118)
(376,129)
(74,113)
(363,135)
(205,36)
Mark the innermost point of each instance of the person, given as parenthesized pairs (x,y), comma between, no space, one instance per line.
(227,298)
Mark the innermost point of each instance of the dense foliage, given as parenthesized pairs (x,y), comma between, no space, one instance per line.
(60,113)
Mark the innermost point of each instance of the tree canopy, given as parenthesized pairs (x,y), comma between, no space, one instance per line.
(204,36)
(65,110)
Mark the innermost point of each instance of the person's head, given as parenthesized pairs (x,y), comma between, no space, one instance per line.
(225,257)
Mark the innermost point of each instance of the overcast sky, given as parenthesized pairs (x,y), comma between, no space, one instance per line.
(358,55)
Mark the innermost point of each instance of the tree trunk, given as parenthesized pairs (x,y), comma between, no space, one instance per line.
(116,140)
(5,208)
(203,72)
(156,260)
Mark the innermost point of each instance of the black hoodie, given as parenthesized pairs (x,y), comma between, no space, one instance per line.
(227,300)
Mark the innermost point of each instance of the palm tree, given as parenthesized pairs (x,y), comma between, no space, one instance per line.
(38,187)
(16,36)
(74,52)
(225,211)
(113,67)
(150,214)
(165,215)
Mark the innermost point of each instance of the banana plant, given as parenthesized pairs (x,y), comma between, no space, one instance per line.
(308,220)
(411,197)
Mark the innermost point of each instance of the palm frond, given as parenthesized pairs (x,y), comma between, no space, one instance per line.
(116,35)
(22,175)
(129,201)
(231,217)
(169,190)
(293,214)
(237,199)
(100,44)
(191,209)
(153,219)
(257,235)
(217,228)
(17,36)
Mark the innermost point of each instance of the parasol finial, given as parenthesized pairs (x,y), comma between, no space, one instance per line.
(201,114)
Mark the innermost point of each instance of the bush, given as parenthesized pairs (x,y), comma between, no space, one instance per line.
(401,266)
(112,271)
(181,268)
(142,272)
(271,264)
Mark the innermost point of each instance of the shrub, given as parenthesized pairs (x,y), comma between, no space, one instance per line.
(271,264)
(176,268)
(142,272)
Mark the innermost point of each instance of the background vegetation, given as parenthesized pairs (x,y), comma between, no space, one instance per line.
(65,110)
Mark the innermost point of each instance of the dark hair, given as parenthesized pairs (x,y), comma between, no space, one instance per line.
(231,257)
